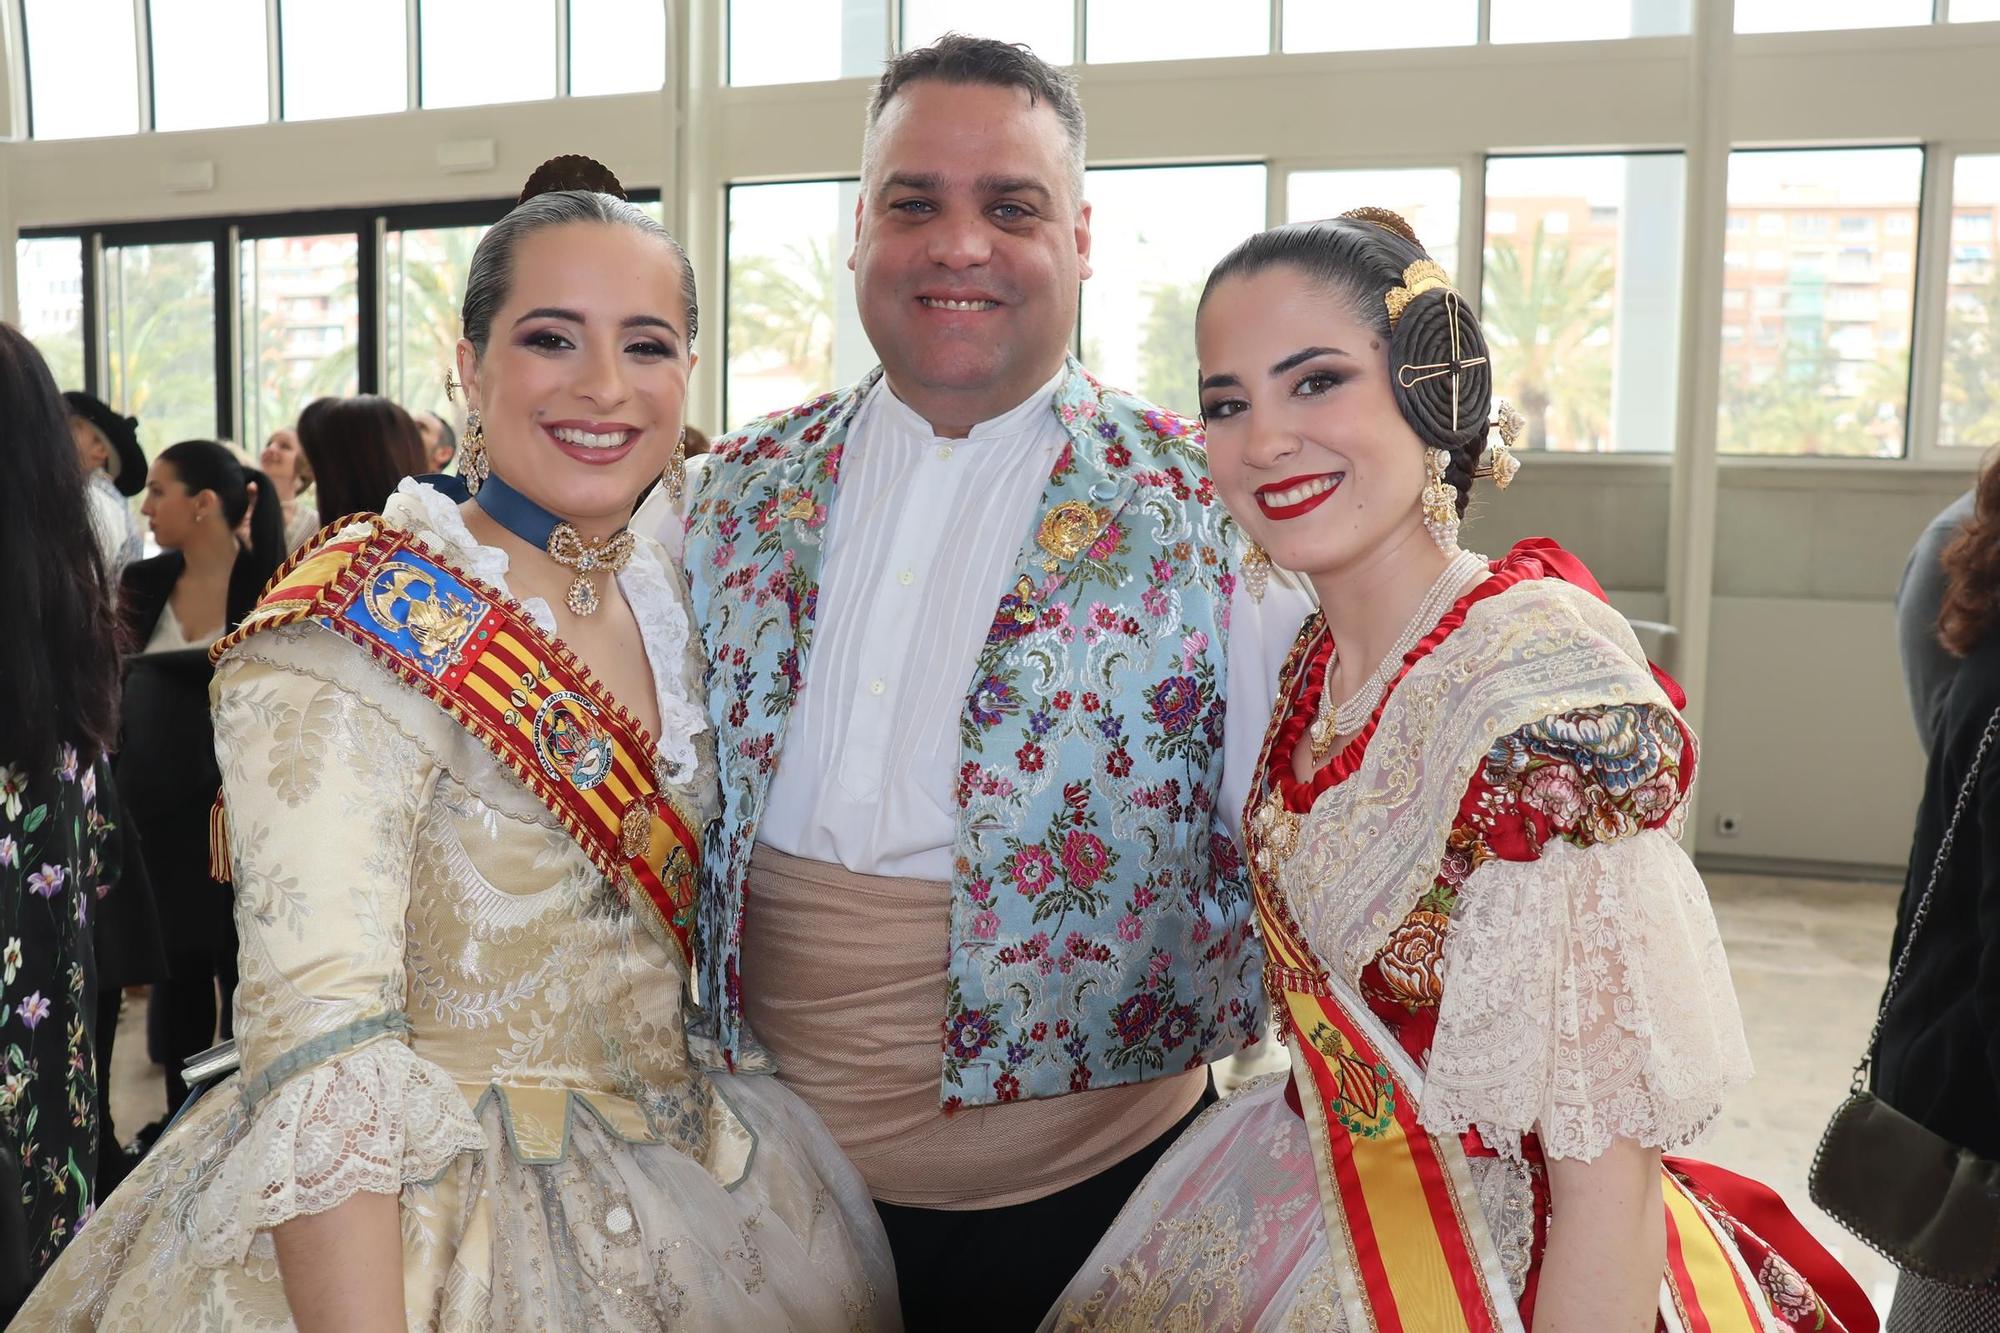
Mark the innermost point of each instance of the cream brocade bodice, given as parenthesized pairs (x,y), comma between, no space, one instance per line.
(418,932)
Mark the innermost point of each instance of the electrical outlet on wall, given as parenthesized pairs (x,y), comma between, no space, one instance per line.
(1727,826)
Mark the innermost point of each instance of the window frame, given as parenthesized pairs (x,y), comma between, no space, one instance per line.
(1921,450)
(728,304)
(1928,327)
(225,234)
(143,59)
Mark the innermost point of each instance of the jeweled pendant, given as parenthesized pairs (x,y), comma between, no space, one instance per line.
(582,599)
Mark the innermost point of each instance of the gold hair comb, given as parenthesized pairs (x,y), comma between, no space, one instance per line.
(1420,277)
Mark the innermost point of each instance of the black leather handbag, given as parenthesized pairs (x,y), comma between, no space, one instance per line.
(1925,1204)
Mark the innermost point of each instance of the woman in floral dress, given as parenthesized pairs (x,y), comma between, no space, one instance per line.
(463,853)
(57,852)
(1500,981)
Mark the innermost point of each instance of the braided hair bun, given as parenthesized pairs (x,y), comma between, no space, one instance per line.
(571,171)
(1442,377)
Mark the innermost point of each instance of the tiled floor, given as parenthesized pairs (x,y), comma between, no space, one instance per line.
(1809,958)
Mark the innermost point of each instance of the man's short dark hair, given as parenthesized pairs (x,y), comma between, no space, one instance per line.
(956,58)
(447,437)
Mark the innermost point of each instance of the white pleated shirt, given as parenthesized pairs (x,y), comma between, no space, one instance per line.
(923,540)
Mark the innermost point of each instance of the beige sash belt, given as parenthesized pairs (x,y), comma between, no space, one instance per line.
(844,980)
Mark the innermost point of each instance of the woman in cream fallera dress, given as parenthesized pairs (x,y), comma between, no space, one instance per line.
(442,997)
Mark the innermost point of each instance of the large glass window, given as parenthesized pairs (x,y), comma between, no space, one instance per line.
(1155,233)
(210,63)
(482,51)
(83,70)
(423,286)
(159,339)
(1587,20)
(48,274)
(1427,196)
(1825,256)
(1804,15)
(301,326)
(1974,11)
(793,326)
(1046,27)
(803,41)
(617,46)
(1582,296)
(343,57)
(1359,25)
(1970,413)
(1121,30)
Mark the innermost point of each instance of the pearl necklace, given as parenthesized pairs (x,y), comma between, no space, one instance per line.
(1330,722)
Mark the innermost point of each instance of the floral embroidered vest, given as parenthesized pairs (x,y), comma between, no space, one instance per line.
(1100,929)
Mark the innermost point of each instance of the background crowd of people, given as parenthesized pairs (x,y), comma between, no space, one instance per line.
(128,568)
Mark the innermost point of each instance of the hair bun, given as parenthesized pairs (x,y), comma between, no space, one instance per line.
(1386,218)
(571,171)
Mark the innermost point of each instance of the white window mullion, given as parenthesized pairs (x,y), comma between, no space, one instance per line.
(1471,276)
(1933,297)
(413,36)
(562,48)
(229,278)
(274,75)
(142,63)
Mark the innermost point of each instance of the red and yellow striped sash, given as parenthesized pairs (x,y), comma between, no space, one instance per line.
(1402,1215)
(522,693)
(1399,1201)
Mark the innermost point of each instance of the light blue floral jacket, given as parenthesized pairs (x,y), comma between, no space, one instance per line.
(1101,922)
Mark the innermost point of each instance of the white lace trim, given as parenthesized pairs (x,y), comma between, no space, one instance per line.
(374,1119)
(659,603)
(1587,997)
(656,602)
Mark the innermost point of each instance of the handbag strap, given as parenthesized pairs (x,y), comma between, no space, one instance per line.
(1923,907)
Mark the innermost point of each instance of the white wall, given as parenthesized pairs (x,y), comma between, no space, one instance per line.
(1807,739)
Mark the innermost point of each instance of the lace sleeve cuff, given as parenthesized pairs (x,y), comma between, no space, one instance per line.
(1586,998)
(374,1119)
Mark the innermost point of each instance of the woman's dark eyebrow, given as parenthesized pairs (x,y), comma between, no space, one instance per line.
(575,317)
(1219,381)
(649,322)
(1303,355)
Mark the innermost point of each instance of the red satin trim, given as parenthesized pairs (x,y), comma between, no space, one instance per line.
(1520,564)
(1531,558)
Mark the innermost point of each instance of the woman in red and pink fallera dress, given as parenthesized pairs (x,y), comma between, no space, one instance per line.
(1501,985)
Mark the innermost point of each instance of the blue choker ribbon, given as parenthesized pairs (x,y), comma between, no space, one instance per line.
(563,543)
(516,512)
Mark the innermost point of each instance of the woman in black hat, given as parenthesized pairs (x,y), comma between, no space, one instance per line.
(107,445)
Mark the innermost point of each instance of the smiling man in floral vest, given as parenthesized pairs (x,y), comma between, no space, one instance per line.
(987,696)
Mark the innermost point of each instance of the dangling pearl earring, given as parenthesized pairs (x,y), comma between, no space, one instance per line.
(1440,501)
(1255,567)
